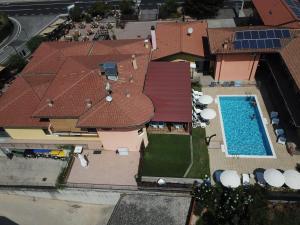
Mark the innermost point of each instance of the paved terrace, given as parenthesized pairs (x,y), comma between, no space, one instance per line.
(217,158)
(106,168)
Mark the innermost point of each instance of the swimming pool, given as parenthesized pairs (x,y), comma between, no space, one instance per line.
(244,132)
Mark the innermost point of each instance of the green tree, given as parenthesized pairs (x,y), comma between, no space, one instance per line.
(76,14)
(202,9)
(99,8)
(16,62)
(126,7)
(168,9)
(6,26)
(35,42)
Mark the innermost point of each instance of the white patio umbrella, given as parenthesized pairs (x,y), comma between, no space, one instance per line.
(292,179)
(230,178)
(274,177)
(205,99)
(208,114)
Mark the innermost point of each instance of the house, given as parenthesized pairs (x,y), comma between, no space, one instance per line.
(181,41)
(246,53)
(278,12)
(88,93)
(169,88)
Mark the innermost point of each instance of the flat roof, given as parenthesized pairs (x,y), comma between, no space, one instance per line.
(168,85)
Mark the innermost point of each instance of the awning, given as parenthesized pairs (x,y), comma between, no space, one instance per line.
(274,177)
(205,99)
(292,179)
(208,114)
(47,30)
(58,22)
(230,178)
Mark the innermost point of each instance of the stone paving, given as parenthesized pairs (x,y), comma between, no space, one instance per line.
(217,158)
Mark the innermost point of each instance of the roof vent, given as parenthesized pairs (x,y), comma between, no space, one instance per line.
(146,43)
(190,30)
(88,103)
(134,63)
(110,70)
(127,94)
(50,102)
(131,78)
(108,98)
(108,88)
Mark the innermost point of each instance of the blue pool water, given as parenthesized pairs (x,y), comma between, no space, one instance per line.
(243,127)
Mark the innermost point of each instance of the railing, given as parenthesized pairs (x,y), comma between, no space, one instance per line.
(100,186)
(231,84)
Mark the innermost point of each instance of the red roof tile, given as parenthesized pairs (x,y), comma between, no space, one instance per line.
(169,87)
(180,42)
(276,13)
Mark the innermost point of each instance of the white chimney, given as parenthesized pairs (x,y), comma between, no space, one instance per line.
(153,38)
(146,43)
(50,102)
(134,63)
(88,103)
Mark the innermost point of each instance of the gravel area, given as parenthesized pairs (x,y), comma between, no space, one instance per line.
(151,210)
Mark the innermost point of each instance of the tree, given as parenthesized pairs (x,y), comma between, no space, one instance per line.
(168,9)
(75,14)
(202,9)
(126,7)
(35,42)
(16,62)
(99,8)
(6,26)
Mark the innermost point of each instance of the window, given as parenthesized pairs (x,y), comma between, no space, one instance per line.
(140,131)
(44,120)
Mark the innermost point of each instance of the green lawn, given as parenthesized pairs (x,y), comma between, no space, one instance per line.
(167,155)
(196,87)
(200,166)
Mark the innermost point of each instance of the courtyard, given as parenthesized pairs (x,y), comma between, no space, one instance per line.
(218,159)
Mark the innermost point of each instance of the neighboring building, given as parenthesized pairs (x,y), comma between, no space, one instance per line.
(239,51)
(180,41)
(278,12)
(88,93)
(169,87)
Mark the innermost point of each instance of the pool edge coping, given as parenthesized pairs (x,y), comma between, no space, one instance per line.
(273,156)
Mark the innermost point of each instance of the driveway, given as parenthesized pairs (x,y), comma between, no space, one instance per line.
(21,171)
(149,209)
(20,210)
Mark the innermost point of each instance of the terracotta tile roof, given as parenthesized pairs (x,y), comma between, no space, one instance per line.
(172,38)
(219,36)
(18,104)
(169,87)
(68,75)
(276,13)
(291,56)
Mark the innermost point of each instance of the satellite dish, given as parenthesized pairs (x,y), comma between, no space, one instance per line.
(190,30)
(108,98)
(161,181)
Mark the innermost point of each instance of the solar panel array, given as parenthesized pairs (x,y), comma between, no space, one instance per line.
(254,39)
(294,6)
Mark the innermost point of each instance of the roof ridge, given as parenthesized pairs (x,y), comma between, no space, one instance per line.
(66,90)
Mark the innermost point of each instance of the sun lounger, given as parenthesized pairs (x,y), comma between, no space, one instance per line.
(281,140)
(259,176)
(273,114)
(279,132)
(237,83)
(161,125)
(198,93)
(203,125)
(275,121)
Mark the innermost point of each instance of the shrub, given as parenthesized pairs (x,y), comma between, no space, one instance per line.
(16,62)
(35,42)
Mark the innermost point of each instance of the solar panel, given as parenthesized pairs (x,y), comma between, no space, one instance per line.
(237,44)
(278,33)
(253,43)
(254,34)
(276,43)
(245,43)
(269,43)
(286,33)
(294,6)
(239,35)
(262,34)
(270,34)
(247,35)
(261,44)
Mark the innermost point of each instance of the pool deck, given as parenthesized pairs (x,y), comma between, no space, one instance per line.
(218,159)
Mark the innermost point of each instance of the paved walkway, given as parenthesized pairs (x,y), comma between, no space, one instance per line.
(217,158)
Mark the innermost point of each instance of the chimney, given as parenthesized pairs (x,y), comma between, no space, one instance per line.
(153,38)
(88,103)
(134,64)
(146,43)
(50,102)
(131,78)
(108,88)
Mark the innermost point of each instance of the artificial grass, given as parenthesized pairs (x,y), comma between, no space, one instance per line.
(200,166)
(167,155)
